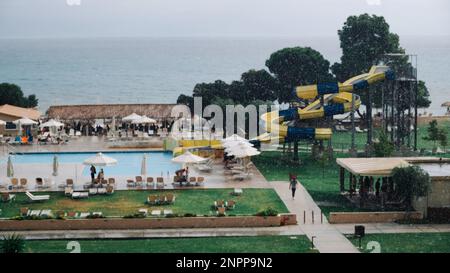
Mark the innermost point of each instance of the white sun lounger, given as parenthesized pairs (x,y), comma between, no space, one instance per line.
(242,176)
(37,197)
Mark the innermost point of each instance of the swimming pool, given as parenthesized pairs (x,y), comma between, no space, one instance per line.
(128,163)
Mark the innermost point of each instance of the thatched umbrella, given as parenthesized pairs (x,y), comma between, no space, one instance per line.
(9,168)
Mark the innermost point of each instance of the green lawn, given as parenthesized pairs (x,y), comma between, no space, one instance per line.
(408,242)
(128,202)
(321,181)
(262,244)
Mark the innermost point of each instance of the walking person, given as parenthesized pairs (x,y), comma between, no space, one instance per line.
(293,184)
(93,172)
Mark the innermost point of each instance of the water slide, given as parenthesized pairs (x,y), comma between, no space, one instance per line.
(337,98)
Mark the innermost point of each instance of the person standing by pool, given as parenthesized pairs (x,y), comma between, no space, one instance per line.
(293,184)
(93,172)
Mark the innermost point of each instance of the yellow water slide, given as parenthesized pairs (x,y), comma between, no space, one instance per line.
(337,99)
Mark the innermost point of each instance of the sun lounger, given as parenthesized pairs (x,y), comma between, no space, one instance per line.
(156,212)
(111,181)
(170,198)
(131,183)
(109,189)
(167,212)
(152,200)
(139,181)
(237,192)
(358,130)
(230,204)
(46,213)
(35,212)
(150,182)
(93,191)
(162,200)
(221,211)
(69,182)
(219,203)
(24,212)
(200,181)
(80,194)
(68,191)
(84,214)
(160,182)
(97,213)
(143,212)
(23,182)
(7,197)
(15,183)
(40,183)
(192,180)
(36,198)
(101,191)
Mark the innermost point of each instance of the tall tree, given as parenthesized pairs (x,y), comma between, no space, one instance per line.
(259,85)
(365,39)
(12,94)
(297,66)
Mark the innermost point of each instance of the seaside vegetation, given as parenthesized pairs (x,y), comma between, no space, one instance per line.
(12,94)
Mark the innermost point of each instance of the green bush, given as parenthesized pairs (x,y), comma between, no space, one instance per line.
(267,212)
(135,215)
(411,181)
(13,243)
(190,215)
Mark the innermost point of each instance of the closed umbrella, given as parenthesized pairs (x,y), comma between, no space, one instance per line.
(144,165)
(113,127)
(100,160)
(55,166)
(9,168)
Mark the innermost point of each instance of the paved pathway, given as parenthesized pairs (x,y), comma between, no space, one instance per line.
(159,233)
(327,238)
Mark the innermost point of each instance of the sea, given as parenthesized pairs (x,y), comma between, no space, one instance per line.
(158,70)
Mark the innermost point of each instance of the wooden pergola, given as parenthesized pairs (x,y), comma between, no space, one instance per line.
(377,166)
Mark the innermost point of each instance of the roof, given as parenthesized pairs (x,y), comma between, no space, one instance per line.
(446,104)
(19,112)
(106,111)
(382,166)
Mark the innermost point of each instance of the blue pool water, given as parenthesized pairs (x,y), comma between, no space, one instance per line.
(128,163)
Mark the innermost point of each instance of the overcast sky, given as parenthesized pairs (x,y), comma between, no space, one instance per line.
(238,18)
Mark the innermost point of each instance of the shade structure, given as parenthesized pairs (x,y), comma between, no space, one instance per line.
(144,165)
(2,122)
(51,123)
(188,157)
(24,121)
(9,168)
(100,160)
(143,120)
(446,104)
(131,117)
(238,144)
(55,166)
(233,137)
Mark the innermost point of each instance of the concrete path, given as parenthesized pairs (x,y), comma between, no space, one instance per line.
(158,233)
(378,228)
(327,238)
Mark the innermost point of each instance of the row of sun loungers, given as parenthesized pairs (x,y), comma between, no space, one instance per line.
(8,197)
(150,181)
(154,200)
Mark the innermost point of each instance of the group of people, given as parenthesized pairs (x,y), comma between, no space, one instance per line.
(182,175)
(382,188)
(100,176)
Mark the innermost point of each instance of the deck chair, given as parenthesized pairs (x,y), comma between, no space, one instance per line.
(7,197)
(23,182)
(152,200)
(170,198)
(15,183)
(36,198)
(162,200)
(200,181)
(131,183)
(230,204)
(160,182)
(221,211)
(192,180)
(39,183)
(111,181)
(139,181)
(219,203)
(109,189)
(150,182)
(69,182)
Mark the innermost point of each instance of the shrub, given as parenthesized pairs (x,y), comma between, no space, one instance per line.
(94,216)
(411,181)
(13,243)
(267,212)
(384,147)
(190,215)
(135,215)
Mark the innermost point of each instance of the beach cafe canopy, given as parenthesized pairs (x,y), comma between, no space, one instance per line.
(51,123)
(100,160)
(2,122)
(25,121)
(374,166)
(188,157)
(143,120)
(131,117)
